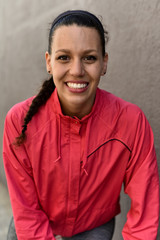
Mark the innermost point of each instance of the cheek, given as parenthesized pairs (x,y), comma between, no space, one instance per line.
(95,71)
(58,72)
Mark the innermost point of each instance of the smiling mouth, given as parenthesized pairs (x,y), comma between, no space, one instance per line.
(77,85)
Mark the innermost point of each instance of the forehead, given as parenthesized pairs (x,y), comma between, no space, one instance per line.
(74,37)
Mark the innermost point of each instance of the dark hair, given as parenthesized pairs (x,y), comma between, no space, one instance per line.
(41,98)
(80,18)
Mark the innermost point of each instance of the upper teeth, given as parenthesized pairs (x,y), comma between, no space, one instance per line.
(76,85)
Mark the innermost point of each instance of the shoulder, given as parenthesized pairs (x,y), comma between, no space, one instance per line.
(39,122)
(124,120)
(17,113)
(114,107)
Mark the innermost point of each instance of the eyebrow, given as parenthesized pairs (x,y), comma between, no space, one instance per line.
(68,51)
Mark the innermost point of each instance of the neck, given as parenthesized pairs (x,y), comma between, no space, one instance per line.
(77,111)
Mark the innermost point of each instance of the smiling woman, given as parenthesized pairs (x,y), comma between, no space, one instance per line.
(68,150)
(76,63)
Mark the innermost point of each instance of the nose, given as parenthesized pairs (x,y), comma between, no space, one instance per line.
(77,68)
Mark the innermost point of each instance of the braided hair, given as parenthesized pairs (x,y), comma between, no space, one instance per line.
(41,98)
(80,18)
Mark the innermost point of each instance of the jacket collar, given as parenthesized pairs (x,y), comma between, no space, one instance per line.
(56,107)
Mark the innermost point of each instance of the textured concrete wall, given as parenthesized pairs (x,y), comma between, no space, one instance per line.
(134,56)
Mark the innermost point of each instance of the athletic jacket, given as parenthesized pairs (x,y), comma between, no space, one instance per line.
(67,176)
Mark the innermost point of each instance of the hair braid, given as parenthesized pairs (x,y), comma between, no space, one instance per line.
(41,98)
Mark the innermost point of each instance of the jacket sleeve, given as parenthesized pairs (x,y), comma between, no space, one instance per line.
(31,222)
(142,185)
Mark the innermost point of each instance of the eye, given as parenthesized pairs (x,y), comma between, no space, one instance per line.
(63,58)
(90,58)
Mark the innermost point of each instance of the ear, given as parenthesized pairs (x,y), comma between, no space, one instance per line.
(48,62)
(105,62)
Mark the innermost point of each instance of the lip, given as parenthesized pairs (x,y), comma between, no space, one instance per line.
(81,82)
(77,90)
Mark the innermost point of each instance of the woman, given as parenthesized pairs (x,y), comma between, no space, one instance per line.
(76,144)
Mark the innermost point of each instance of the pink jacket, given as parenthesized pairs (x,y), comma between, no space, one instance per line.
(68,175)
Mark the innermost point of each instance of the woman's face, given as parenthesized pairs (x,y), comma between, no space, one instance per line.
(76,63)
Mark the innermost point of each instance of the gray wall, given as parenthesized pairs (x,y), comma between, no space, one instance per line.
(134,56)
